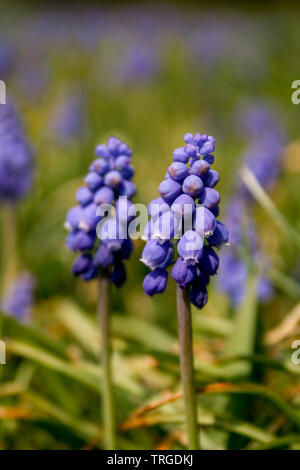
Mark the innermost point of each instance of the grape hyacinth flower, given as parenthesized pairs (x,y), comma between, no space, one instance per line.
(16,162)
(107,180)
(184,217)
(20,297)
(265,133)
(98,230)
(234,272)
(188,190)
(68,119)
(16,175)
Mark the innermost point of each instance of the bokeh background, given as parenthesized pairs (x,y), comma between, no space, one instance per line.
(149,73)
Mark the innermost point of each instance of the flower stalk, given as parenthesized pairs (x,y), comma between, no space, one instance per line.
(187,366)
(9,246)
(107,386)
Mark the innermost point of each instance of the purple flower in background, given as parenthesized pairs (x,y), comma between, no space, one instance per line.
(6,59)
(262,127)
(16,161)
(138,65)
(233,273)
(68,120)
(187,210)
(20,298)
(104,185)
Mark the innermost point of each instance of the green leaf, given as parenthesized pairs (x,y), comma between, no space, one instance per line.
(242,339)
(48,360)
(267,204)
(84,429)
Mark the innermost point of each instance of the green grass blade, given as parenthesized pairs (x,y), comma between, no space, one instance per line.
(267,204)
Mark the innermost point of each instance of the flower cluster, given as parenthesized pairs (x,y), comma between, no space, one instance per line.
(187,210)
(234,271)
(266,136)
(68,121)
(16,163)
(263,157)
(20,298)
(108,179)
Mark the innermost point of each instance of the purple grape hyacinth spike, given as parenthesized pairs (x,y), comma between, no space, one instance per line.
(185,216)
(106,181)
(16,158)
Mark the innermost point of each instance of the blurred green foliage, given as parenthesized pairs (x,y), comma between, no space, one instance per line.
(50,385)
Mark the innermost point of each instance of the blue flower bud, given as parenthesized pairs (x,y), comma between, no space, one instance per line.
(190,150)
(118,275)
(113,179)
(211,178)
(91,274)
(104,256)
(208,147)
(198,294)
(216,211)
(80,240)
(204,221)
(192,185)
(184,274)
(100,166)
(84,196)
(127,188)
(89,218)
(199,167)
(102,151)
(128,172)
(209,262)
(200,139)
(110,234)
(188,138)
(82,264)
(168,260)
(183,205)
(155,253)
(93,181)
(104,195)
(178,171)
(126,250)
(73,218)
(179,155)
(123,161)
(169,190)
(209,159)
(113,145)
(166,226)
(155,282)
(157,207)
(124,149)
(190,247)
(210,198)
(220,236)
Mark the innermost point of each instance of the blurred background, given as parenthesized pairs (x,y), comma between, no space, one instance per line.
(149,73)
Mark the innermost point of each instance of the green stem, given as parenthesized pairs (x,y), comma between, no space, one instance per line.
(107,391)
(9,246)
(187,367)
